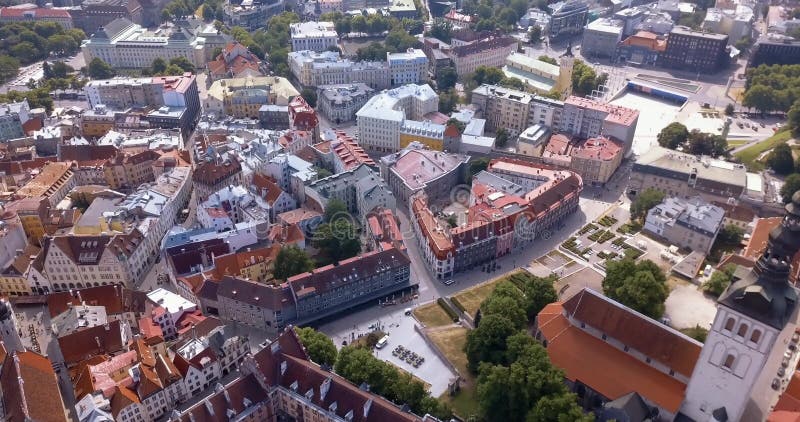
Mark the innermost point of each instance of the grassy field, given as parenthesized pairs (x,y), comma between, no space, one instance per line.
(451,342)
(473,297)
(432,315)
(749,156)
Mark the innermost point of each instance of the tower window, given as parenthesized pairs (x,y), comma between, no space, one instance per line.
(729,361)
(756,336)
(742,330)
(729,324)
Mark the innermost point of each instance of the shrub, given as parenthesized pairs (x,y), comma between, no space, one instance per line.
(447,309)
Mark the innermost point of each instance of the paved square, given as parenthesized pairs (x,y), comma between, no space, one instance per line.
(654,114)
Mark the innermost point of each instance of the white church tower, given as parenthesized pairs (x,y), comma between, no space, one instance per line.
(746,361)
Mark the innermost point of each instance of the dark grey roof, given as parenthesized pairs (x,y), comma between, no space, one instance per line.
(628,408)
(764,293)
(111,29)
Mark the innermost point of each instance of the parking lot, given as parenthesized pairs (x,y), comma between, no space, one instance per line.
(400,329)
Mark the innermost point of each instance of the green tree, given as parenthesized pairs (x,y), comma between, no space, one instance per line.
(320,347)
(487,75)
(442,29)
(159,66)
(338,240)
(291,261)
(701,143)
(446,78)
(645,200)
(793,118)
(508,16)
(729,109)
(790,185)
(448,101)
(539,292)
(183,63)
(717,284)
(760,97)
(98,69)
(62,44)
(61,69)
(584,79)
(548,59)
(310,95)
(641,286)
(501,138)
(477,165)
(535,35)
(335,209)
(508,308)
(520,7)
(9,66)
(673,135)
(487,342)
(730,234)
(781,160)
(25,49)
(558,408)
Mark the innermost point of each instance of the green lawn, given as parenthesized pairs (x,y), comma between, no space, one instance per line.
(472,298)
(749,156)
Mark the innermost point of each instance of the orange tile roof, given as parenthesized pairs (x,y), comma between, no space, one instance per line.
(760,236)
(580,355)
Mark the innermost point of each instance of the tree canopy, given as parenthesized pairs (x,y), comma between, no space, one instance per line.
(790,185)
(640,286)
(772,88)
(320,347)
(446,78)
(337,240)
(98,69)
(359,366)
(23,43)
(781,160)
(673,135)
(291,261)
(645,200)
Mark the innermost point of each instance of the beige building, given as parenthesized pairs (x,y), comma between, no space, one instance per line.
(243,97)
(130,171)
(596,160)
(53,182)
(491,52)
(515,110)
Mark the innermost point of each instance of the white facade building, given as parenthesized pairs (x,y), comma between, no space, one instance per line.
(381,118)
(410,67)
(313,36)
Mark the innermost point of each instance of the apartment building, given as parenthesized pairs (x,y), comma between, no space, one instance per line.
(53,182)
(688,223)
(313,36)
(202,361)
(596,159)
(12,117)
(736,22)
(15,278)
(37,14)
(339,103)
(361,189)
(129,171)
(210,176)
(695,51)
(409,67)
(511,204)
(289,390)
(253,264)
(381,119)
(328,68)
(515,110)
(235,61)
(590,118)
(600,38)
(251,15)
(416,168)
(124,44)
(772,50)
(684,175)
(244,97)
(567,18)
(490,52)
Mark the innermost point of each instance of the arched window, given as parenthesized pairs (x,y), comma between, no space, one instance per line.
(729,361)
(729,324)
(756,336)
(742,330)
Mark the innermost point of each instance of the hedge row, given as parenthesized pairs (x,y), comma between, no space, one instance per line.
(447,309)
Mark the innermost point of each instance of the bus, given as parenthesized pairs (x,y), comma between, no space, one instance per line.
(382,342)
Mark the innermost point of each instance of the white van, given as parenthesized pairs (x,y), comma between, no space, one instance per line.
(382,342)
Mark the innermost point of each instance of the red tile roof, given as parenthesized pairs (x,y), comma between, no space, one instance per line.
(99,340)
(30,389)
(38,13)
(580,355)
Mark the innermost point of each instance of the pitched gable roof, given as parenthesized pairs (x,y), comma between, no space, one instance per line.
(30,389)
